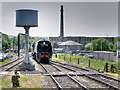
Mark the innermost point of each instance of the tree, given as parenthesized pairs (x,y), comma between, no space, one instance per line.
(100,44)
(115,44)
(13,42)
(87,46)
(6,43)
(111,46)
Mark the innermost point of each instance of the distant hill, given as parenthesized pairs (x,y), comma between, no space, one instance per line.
(46,38)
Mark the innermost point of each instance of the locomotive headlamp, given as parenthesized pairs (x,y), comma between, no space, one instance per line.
(43,43)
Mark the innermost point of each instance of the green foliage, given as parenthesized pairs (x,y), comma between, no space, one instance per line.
(111,46)
(96,45)
(87,46)
(115,44)
(5,42)
(12,42)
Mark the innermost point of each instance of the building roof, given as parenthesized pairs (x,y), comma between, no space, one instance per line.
(68,43)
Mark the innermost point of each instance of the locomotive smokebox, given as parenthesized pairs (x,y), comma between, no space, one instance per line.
(26,17)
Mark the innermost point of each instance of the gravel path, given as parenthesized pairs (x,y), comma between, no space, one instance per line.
(109,81)
(89,83)
(66,82)
(38,67)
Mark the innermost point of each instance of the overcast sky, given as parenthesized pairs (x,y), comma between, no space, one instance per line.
(80,18)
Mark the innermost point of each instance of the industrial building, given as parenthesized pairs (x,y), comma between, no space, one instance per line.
(79,39)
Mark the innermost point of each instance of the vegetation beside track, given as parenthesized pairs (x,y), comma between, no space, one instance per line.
(26,81)
(11,52)
(5,61)
(83,61)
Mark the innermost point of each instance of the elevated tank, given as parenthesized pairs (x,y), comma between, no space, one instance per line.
(26,17)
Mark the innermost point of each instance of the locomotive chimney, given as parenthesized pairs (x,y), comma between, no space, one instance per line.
(61,25)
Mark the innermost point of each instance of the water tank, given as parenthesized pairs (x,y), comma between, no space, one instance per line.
(26,17)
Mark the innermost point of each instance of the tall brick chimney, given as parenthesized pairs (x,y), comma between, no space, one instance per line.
(61,25)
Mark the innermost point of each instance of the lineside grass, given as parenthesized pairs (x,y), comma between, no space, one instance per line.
(26,81)
(83,61)
(5,61)
(11,52)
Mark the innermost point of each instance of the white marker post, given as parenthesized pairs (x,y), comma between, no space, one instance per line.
(26,18)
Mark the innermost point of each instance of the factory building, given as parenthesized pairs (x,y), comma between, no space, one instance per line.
(79,39)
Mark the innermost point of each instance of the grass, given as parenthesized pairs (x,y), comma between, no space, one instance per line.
(11,52)
(6,82)
(83,61)
(5,61)
(26,81)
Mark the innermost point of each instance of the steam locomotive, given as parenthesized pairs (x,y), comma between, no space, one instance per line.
(42,51)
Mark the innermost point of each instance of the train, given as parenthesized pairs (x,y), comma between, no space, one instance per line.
(42,51)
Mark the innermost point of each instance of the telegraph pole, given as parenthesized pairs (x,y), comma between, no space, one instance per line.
(19,45)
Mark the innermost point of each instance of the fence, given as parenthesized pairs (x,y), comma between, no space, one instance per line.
(111,68)
(85,63)
(94,64)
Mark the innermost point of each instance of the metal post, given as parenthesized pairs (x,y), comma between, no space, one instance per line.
(55,55)
(106,67)
(70,59)
(19,45)
(78,61)
(111,68)
(26,60)
(89,63)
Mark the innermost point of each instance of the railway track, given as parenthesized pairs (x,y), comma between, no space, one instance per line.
(9,66)
(72,68)
(102,79)
(63,68)
(48,67)
(60,80)
(107,80)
